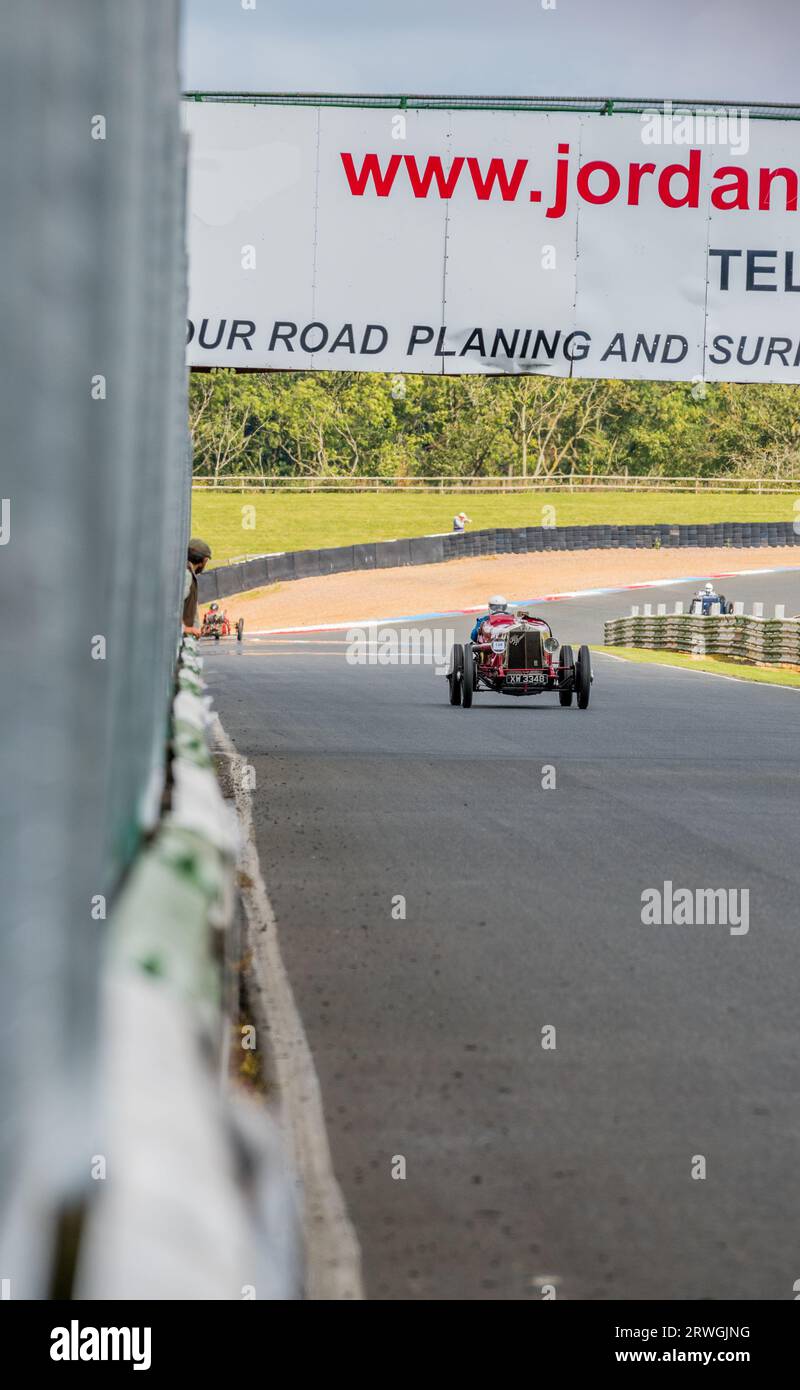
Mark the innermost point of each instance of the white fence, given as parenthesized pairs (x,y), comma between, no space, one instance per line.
(560,482)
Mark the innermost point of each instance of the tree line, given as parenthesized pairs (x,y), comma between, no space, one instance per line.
(311,424)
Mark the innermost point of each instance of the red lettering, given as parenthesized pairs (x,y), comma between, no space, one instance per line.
(766,177)
(738,188)
(585,174)
(636,173)
(420,183)
(370,169)
(691,173)
(497,174)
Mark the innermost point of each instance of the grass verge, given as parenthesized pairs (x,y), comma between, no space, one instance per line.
(717,666)
(307,520)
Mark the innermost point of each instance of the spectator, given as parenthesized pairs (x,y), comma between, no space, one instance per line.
(461,521)
(198,557)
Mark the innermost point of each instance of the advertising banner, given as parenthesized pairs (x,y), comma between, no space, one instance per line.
(660,245)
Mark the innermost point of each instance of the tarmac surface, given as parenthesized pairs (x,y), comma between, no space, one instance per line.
(525,1164)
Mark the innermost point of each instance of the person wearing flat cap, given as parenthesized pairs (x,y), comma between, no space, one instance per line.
(198,557)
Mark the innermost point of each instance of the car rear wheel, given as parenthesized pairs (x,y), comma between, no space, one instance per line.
(468,678)
(583,677)
(566,661)
(455,674)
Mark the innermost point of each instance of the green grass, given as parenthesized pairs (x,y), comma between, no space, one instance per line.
(306,520)
(716,665)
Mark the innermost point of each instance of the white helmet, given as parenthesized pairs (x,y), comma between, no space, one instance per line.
(498,604)
(709,588)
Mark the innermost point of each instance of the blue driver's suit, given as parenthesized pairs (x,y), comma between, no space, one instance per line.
(474,635)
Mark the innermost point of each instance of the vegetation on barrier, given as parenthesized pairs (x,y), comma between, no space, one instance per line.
(738,636)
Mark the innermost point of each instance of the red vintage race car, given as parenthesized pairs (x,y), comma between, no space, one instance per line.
(216,623)
(518,655)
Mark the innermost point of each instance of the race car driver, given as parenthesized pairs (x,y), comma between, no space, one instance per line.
(498,604)
(707,596)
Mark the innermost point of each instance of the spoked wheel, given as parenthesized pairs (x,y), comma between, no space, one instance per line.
(566,661)
(239,629)
(455,673)
(583,677)
(467,678)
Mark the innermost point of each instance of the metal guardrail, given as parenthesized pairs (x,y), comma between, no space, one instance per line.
(563,482)
(600,106)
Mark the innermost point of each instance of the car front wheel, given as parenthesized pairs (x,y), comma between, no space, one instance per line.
(566,662)
(467,678)
(455,673)
(583,677)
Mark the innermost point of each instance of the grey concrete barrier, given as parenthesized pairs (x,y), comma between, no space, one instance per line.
(520,540)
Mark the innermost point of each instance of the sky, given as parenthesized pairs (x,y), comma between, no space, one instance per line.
(742,51)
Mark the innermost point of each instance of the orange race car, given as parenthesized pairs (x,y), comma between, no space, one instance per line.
(216,624)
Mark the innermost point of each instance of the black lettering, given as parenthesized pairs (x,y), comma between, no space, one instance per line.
(616,348)
(582,349)
(778,347)
(540,339)
(440,349)
(309,328)
(725,260)
(682,351)
(420,334)
(344,338)
(202,335)
(510,348)
(369,330)
(478,345)
(282,333)
(718,346)
(754,269)
(244,329)
(748,361)
(641,347)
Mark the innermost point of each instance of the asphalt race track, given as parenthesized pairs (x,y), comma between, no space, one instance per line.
(524,1165)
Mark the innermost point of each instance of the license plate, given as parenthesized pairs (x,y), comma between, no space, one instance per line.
(526,678)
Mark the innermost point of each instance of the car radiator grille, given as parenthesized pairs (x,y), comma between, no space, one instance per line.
(523,651)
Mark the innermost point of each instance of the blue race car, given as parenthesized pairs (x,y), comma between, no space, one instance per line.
(707,601)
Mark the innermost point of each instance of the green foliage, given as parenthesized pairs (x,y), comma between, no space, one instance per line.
(314,424)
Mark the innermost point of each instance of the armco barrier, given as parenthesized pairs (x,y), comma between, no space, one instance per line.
(737,635)
(520,540)
(177,1210)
